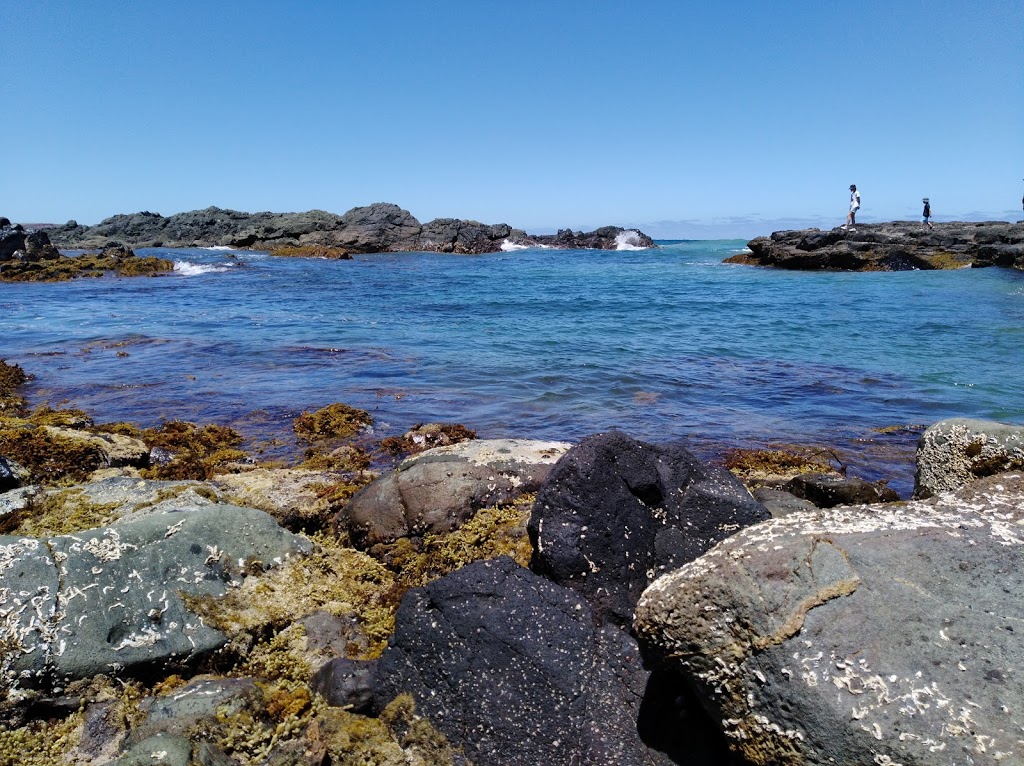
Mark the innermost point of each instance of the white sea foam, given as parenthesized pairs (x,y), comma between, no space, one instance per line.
(187,269)
(508,246)
(628,240)
(218,247)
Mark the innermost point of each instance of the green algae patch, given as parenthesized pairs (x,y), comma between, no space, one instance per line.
(335,421)
(396,738)
(66,268)
(946,260)
(312,251)
(69,418)
(424,436)
(49,458)
(61,513)
(349,458)
(492,532)
(41,742)
(193,452)
(12,377)
(334,579)
(753,465)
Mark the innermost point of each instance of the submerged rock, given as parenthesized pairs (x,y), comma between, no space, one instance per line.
(862,635)
(615,513)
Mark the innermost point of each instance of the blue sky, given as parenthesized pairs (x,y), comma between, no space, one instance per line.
(687,119)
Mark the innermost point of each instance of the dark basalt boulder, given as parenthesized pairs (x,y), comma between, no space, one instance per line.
(826,491)
(891,246)
(12,240)
(513,669)
(615,513)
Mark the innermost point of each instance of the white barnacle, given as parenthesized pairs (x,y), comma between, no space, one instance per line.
(174,528)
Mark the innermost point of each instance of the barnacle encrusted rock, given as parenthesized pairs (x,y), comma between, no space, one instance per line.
(887,634)
(955,452)
(111,599)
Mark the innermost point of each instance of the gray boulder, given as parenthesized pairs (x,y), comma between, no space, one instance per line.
(952,453)
(440,489)
(512,668)
(112,600)
(12,475)
(885,634)
(615,513)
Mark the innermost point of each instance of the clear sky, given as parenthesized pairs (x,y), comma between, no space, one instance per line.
(685,118)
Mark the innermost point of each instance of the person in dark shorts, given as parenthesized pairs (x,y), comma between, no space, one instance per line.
(851,217)
(927,212)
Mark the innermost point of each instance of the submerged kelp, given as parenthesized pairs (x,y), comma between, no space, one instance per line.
(312,251)
(782,462)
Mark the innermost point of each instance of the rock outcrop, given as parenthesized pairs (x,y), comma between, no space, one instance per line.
(885,634)
(438,490)
(953,453)
(376,228)
(615,513)
(512,667)
(893,246)
(25,246)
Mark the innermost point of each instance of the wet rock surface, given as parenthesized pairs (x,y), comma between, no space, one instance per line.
(875,634)
(892,246)
(615,513)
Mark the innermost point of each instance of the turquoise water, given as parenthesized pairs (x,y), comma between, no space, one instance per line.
(668,344)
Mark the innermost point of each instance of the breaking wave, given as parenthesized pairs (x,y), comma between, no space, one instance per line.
(509,246)
(187,269)
(628,240)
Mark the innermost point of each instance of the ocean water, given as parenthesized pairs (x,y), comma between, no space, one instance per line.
(668,345)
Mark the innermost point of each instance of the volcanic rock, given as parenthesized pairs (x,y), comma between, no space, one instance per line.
(615,513)
(862,635)
(893,246)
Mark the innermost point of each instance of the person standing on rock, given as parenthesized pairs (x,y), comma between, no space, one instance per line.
(927,212)
(851,217)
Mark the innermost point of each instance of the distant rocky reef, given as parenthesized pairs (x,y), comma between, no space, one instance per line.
(376,228)
(892,246)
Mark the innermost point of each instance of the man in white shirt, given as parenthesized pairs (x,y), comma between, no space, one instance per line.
(851,217)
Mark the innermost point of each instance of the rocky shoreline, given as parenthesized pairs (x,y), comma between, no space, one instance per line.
(168,599)
(892,246)
(376,228)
